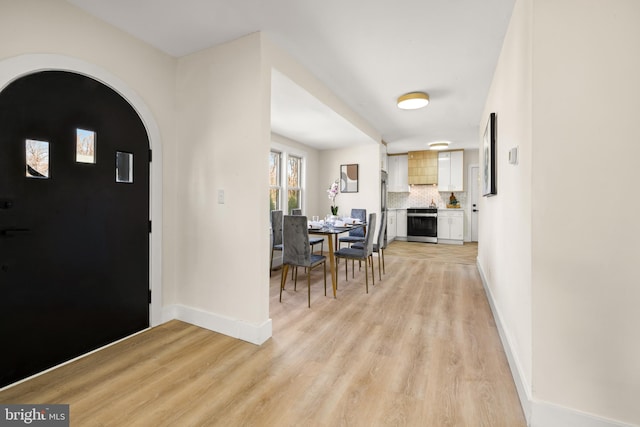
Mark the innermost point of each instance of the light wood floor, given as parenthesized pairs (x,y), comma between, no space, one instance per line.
(421,349)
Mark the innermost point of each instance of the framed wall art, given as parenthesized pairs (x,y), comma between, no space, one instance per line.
(489,158)
(349,178)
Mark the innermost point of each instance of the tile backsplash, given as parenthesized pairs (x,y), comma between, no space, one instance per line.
(421,196)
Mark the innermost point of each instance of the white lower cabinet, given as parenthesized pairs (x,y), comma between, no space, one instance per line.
(401,224)
(451,227)
(391,225)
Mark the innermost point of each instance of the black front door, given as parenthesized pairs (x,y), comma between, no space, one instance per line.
(74,221)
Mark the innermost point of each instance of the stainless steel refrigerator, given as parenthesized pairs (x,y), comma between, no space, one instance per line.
(383,199)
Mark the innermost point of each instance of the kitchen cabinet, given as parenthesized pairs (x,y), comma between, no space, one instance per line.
(423,167)
(398,174)
(451,226)
(391,225)
(451,170)
(401,224)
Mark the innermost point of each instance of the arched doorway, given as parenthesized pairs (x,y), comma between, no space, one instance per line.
(74,220)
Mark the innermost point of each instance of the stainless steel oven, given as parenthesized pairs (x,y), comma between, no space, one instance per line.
(422,225)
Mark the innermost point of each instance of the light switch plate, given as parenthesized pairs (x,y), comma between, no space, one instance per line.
(513,156)
(220,197)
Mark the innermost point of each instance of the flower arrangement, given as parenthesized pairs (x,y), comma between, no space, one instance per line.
(332,192)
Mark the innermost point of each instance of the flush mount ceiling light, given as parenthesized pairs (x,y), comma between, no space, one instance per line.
(413,100)
(440,145)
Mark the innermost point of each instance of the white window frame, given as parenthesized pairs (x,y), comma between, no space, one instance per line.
(279,185)
(286,151)
(300,174)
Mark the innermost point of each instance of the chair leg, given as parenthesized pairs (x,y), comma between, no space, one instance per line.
(373,275)
(325,278)
(366,279)
(295,281)
(382,255)
(271,263)
(309,287)
(379,269)
(283,278)
(346,267)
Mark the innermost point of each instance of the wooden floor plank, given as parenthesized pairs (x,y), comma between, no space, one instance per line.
(420,349)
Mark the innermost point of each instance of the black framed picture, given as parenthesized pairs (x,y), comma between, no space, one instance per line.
(349,178)
(489,155)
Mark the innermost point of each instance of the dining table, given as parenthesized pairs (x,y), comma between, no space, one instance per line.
(332,233)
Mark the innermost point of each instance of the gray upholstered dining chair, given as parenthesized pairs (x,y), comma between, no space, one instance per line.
(312,240)
(297,252)
(357,235)
(276,235)
(380,246)
(363,254)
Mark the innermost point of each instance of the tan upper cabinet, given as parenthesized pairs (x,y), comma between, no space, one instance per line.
(423,167)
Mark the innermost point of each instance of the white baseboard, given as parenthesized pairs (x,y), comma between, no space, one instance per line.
(250,332)
(522,385)
(548,415)
(539,413)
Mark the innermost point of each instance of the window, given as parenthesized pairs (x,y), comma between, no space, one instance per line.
(294,183)
(85,146)
(124,167)
(275,186)
(37,158)
(286,180)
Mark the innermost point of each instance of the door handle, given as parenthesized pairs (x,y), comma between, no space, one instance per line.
(10,232)
(476,210)
(6,204)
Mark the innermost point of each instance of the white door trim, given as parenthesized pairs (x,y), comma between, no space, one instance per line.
(19,66)
(476,186)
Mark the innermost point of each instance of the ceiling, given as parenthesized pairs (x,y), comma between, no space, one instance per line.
(367,52)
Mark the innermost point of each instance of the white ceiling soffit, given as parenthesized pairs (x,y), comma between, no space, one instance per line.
(298,115)
(367,52)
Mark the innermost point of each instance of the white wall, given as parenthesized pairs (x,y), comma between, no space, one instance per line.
(586,105)
(560,273)
(504,232)
(368,196)
(222,250)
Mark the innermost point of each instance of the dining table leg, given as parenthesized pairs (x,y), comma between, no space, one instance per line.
(332,263)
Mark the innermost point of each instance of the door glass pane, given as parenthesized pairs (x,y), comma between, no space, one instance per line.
(124,167)
(85,146)
(37,156)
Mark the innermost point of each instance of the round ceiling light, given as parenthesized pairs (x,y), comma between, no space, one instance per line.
(413,100)
(440,145)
